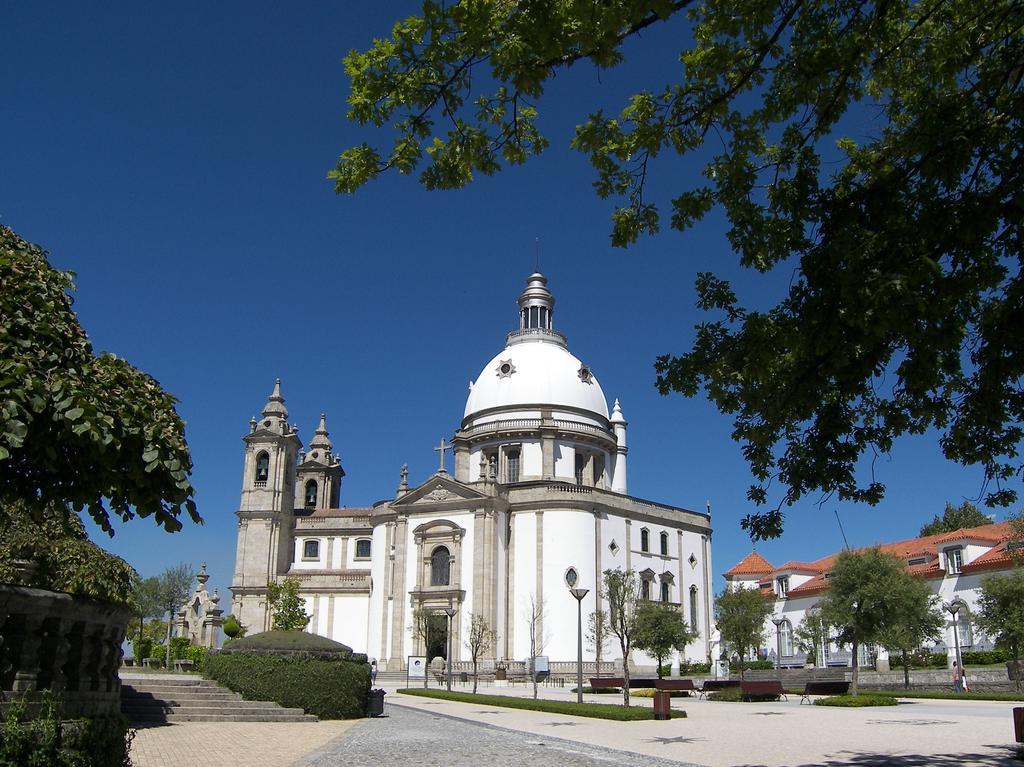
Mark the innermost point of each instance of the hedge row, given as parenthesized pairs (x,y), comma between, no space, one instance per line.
(593,710)
(857,701)
(985,657)
(327,688)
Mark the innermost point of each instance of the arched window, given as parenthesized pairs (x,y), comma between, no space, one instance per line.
(262,467)
(664,591)
(439,567)
(645,589)
(786,638)
(311,549)
(693,608)
(664,544)
(963,626)
(363,548)
(645,539)
(311,489)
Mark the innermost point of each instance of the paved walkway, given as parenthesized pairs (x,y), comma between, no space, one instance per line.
(216,744)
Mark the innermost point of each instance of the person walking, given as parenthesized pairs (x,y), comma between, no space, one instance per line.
(373,673)
(958,678)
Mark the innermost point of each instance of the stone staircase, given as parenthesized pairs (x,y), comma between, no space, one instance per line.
(161,699)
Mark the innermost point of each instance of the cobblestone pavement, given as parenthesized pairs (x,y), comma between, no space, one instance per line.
(216,744)
(410,737)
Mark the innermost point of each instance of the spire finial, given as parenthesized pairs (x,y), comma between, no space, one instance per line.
(536,255)
(275,403)
(321,437)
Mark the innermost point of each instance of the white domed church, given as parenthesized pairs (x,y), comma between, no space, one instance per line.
(538,496)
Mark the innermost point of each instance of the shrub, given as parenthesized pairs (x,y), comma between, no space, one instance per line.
(647,692)
(735,695)
(665,670)
(141,648)
(46,740)
(198,657)
(296,670)
(693,668)
(923,659)
(159,653)
(985,657)
(233,627)
(856,701)
(595,710)
(179,647)
(600,690)
(754,665)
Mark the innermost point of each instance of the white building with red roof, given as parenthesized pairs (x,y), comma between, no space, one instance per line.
(954,565)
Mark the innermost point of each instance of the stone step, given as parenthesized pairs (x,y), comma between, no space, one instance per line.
(226,717)
(190,682)
(167,703)
(198,700)
(204,694)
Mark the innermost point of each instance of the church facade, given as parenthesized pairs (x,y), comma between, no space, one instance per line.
(538,497)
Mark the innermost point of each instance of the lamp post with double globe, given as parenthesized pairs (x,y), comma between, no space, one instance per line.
(954,608)
(778,621)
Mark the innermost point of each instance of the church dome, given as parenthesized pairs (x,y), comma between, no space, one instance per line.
(535,368)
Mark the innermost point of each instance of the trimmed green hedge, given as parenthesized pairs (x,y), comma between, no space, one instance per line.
(985,657)
(593,710)
(857,701)
(330,688)
(1012,696)
(734,695)
(685,668)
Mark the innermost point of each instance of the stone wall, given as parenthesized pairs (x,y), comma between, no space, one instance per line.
(978,680)
(70,645)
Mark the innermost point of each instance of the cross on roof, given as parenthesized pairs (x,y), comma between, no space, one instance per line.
(441,448)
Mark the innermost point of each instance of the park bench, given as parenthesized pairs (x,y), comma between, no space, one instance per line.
(762,689)
(717,685)
(674,685)
(831,687)
(181,664)
(151,662)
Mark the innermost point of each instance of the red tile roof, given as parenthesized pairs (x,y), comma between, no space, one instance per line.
(926,547)
(752,564)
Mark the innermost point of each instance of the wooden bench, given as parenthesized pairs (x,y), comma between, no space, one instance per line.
(717,685)
(832,687)
(762,689)
(674,685)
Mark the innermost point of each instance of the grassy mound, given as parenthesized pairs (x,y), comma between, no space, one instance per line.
(857,701)
(593,710)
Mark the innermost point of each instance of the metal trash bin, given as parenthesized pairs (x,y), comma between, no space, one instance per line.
(1018,724)
(464,676)
(375,703)
(662,704)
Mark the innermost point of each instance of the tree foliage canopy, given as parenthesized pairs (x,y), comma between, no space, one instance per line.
(1001,613)
(870,149)
(915,618)
(955,518)
(741,614)
(77,428)
(287,608)
(660,629)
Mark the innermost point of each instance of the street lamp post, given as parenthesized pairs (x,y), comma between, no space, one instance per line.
(450,612)
(954,608)
(571,579)
(778,621)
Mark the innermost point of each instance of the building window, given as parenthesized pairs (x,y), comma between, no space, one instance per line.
(262,468)
(311,549)
(693,608)
(598,464)
(786,638)
(664,591)
(664,544)
(363,548)
(311,494)
(782,586)
(954,560)
(440,574)
(512,466)
(963,627)
(581,464)
(645,539)
(645,589)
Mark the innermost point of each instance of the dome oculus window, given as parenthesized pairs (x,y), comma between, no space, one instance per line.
(505,368)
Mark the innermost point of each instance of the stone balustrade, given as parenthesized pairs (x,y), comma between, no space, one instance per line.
(70,645)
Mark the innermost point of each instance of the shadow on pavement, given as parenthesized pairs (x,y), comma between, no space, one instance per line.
(1004,755)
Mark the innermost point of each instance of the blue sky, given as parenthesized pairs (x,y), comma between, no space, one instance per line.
(175,158)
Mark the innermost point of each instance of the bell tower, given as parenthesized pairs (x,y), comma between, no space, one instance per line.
(266,510)
(319,473)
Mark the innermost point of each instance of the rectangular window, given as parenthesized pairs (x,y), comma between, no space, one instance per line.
(782,586)
(363,549)
(512,470)
(645,589)
(954,560)
(598,464)
(693,608)
(311,549)
(645,540)
(664,591)
(664,544)
(581,465)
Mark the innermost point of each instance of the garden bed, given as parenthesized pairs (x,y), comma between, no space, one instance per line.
(592,710)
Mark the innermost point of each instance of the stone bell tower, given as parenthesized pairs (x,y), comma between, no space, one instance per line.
(319,473)
(266,510)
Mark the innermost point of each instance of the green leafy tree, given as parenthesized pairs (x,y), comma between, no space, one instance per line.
(597,634)
(1001,612)
(622,592)
(902,238)
(481,636)
(955,518)
(660,629)
(915,619)
(146,602)
(287,608)
(741,616)
(76,428)
(173,588)
(858,601)
(811,635)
